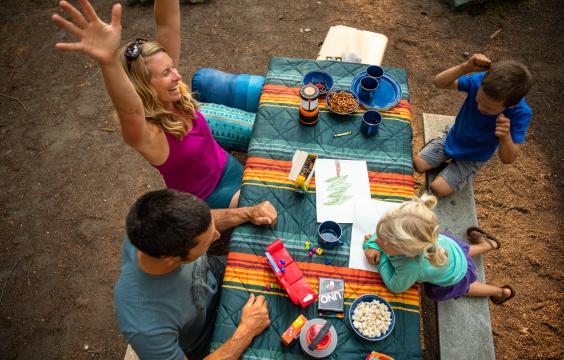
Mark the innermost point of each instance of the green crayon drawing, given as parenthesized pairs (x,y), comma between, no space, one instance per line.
(337,187)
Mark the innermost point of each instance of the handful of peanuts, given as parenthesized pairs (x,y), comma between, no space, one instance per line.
(342,102)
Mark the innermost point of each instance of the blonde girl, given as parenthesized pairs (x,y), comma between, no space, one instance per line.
(408,247)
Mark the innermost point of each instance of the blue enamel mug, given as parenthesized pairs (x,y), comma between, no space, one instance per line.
(371,120)
(375,71)
(329,234)
(368,86)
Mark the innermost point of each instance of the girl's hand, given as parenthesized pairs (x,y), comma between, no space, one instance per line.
(373,256)
(98,40)
(367,237)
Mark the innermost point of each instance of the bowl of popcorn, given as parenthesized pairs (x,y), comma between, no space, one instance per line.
(342,102)
(371,317)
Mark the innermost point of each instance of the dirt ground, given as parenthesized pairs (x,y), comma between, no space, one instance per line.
(67,178)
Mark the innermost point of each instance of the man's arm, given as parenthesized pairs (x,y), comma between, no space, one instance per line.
(508,150)
(261,214)
(448,79)
(254,319)
(167,21)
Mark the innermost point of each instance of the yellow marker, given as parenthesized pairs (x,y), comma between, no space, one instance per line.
(342,134)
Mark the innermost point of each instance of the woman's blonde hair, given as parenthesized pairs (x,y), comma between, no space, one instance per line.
(412,229)
(140,77)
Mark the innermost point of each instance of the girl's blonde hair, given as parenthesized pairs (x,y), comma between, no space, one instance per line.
(140,77)
(412,229)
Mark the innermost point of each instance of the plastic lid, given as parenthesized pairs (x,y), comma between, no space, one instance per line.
(309,92)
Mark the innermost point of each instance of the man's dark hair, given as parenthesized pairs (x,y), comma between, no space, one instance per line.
(166,222)
(508,81)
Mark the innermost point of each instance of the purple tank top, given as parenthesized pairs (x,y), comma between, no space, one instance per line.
(196,162)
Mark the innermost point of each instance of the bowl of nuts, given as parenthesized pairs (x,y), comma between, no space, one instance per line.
(371,317)
(322,80)
(343,102)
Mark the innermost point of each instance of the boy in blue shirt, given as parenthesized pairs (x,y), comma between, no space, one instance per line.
(494,116)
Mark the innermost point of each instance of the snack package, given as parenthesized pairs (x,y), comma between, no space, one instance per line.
(293,330)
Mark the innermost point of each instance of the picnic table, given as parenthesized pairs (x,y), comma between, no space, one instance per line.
(276,135)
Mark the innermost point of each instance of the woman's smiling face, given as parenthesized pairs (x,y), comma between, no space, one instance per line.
(164,78)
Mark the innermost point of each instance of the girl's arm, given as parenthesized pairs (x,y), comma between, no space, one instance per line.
(167,21)
(101,42)
(398,274)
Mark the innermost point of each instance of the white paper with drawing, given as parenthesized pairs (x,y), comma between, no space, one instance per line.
(367,213)
(338,183)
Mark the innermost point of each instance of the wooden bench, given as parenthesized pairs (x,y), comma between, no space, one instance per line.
(464,327)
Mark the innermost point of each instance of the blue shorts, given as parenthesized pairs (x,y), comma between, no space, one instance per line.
(228,185)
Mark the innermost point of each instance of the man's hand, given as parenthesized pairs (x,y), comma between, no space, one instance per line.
(478,62)
(263,213)
(254,318)
(502,126)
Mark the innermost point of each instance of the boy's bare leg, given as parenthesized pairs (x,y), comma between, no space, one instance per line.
(440,187)
(420,165)
(480,289)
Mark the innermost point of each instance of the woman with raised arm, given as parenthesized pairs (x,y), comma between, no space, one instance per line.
(157,114)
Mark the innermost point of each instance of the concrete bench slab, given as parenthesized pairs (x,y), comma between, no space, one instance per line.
(464,324)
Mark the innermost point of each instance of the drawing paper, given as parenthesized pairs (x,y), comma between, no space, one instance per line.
(338,184)
(367,213)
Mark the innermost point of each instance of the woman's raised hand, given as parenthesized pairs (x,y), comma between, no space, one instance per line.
(98,40)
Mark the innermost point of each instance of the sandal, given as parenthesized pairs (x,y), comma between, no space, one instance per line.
(487,235)
(498,301)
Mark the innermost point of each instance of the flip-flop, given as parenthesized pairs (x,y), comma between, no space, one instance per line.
(497,301)
(486,234)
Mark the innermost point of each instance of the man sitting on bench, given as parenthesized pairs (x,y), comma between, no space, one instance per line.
(168,290)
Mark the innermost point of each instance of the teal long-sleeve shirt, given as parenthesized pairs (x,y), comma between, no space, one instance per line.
(400,272)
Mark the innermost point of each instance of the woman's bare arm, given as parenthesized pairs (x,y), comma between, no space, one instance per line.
(167,20)
(101,42)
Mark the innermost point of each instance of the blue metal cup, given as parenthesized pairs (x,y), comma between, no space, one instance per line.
(329,234)
(370,122)
(375,71)
(367,88)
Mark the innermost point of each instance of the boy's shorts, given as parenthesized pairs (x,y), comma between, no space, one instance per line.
(457,172)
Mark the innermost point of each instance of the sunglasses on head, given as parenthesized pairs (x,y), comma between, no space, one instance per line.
(133,50)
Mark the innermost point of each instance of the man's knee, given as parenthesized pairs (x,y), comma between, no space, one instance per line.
(420,165)
(440,187)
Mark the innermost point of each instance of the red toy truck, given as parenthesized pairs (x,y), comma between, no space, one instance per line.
(289,274)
